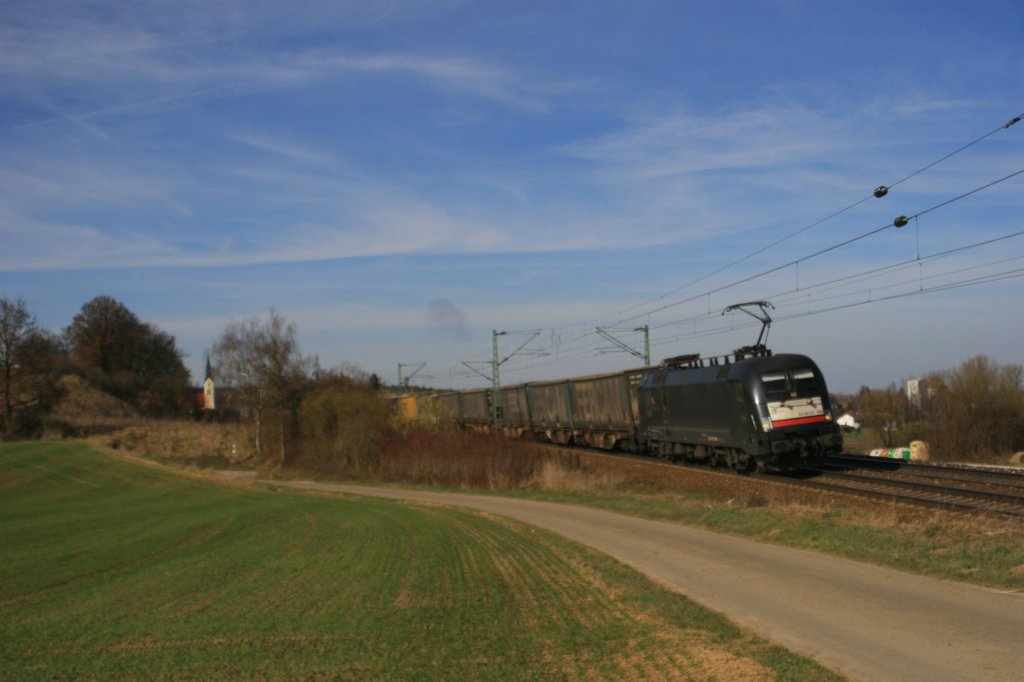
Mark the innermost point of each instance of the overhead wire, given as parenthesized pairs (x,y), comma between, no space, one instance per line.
(985,279)
(877,193)
(823,251)
(808,290)
(589,348)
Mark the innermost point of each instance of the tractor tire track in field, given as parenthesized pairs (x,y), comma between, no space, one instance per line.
(254,575)
(194,538)
(541,580)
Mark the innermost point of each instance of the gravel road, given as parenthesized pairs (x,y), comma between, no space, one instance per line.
(866,622)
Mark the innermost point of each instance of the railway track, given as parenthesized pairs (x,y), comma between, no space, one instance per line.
(964,474)
(935,485)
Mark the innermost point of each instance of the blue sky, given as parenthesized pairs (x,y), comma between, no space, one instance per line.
(401,178)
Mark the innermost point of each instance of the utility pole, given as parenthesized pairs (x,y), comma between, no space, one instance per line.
(496,364)
(496,380)
(409,377)
(645,356)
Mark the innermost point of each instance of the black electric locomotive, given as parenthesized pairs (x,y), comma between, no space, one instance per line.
(766,412)
(748,411)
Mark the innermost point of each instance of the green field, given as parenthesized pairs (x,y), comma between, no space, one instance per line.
(111,569)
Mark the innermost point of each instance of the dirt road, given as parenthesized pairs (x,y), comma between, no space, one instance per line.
(866,622)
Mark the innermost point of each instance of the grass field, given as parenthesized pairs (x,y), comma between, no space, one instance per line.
(111,569)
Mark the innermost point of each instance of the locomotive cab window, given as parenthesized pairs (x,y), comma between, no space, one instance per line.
(776,388)
(804,383)
(797,383)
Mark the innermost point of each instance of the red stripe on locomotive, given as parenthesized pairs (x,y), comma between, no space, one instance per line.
(797,422)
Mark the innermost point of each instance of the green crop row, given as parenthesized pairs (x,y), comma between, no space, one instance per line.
(110,569)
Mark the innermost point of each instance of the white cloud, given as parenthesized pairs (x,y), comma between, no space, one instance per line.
(33,245)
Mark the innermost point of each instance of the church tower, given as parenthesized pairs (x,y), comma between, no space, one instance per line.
(209,396)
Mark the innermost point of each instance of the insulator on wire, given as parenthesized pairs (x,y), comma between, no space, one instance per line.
(881,191)
(1012,121)
(901,221)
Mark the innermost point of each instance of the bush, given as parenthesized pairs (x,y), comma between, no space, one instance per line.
(342,422)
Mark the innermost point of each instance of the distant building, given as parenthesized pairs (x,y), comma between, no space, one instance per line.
(917,392)
(209,391)
(847,421)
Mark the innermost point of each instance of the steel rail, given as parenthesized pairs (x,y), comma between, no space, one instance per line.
(962,474)
(875,487)
(928,487)
(890,495)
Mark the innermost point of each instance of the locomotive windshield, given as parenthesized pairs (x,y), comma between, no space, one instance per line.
(796,383)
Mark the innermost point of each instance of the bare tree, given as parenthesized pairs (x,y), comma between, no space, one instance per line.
(884,412)
(261,364)
(977,410)
(16,324)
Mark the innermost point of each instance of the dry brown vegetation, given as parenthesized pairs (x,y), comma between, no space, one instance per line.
(188,442)
(440,458)
(977,411)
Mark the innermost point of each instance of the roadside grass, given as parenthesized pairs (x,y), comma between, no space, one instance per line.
(112,569)
(977,549)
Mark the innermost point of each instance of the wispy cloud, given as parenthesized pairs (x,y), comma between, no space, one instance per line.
(675,142)
(452,74)
(279,147)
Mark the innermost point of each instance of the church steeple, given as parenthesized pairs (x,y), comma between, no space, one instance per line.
(209,395)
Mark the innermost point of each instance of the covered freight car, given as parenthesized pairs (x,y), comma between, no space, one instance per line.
(551,410)
(515,411)
(475,409)
(605,410)
(599,410)
(450,407)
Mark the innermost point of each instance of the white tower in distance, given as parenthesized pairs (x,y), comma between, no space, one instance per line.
(209,394)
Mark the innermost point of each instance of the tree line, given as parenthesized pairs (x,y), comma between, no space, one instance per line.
(973,412)
(296,408)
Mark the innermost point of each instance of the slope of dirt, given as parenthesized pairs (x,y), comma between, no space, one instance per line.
(82,404)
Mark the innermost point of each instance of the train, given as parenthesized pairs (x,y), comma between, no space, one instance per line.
(749,411)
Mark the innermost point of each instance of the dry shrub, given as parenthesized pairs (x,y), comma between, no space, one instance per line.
(459,460)
(465,460)
(554,474)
